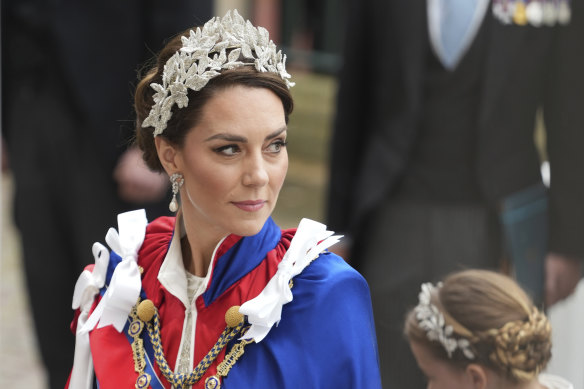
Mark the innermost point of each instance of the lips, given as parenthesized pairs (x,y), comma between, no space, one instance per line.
(250,205)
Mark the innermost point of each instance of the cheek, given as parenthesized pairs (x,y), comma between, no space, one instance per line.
(279,174)
(209,181)
(455,379)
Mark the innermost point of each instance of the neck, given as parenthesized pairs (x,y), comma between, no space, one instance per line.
(505,384)
(533,384)
(198,246)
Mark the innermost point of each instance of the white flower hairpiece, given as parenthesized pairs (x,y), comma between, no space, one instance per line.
(203,56)
(431,320)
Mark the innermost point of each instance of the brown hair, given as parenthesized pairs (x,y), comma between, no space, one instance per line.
(507,333)
(184,119)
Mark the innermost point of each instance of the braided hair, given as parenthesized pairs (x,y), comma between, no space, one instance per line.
(507,333)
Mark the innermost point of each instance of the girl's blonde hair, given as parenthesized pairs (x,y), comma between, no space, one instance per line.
(506,331)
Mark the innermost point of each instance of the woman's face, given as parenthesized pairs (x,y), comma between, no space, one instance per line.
(440,374)
(234,162)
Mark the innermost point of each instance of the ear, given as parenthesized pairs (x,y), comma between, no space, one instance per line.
(477,375)
(169,155)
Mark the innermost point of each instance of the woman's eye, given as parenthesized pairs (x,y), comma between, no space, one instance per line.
(276,146)
(228,150)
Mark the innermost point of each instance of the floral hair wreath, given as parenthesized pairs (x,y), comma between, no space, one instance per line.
(431,320)
(204,55)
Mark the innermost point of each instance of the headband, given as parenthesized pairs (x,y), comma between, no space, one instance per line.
(204,55)
(431,320)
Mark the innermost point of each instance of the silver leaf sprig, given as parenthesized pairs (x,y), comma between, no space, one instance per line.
(204,55)
(431,320)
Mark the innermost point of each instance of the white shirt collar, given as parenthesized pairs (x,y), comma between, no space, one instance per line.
(554,382)
(435,9)
(172,274)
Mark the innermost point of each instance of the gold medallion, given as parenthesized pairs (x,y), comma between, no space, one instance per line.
(135,328)
(519,17)
(212,382)
(143,381)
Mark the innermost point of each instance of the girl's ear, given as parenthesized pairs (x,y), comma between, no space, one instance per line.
(168,155)
(477,375)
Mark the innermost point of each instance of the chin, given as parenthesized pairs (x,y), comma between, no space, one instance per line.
(249,227)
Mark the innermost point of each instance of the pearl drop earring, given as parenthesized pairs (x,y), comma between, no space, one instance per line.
(177,180)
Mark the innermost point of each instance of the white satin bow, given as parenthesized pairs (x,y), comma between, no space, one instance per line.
(120,297)
(124,288)
(265,310)
(87,287)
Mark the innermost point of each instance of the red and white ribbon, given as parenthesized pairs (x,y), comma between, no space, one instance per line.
(87,287)
(121,295)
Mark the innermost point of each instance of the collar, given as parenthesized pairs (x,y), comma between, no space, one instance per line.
(435,11)
(233,257)
(172,274)
(554,382)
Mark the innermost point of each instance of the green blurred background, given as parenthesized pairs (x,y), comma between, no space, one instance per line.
(309,132)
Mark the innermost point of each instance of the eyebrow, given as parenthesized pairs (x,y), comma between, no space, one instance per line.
(242,139)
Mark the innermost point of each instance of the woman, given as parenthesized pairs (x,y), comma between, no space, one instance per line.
(219,296)
(480,330)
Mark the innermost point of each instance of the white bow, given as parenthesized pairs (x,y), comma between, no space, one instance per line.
(124,288)
(265,310)
(87,287)
(120,297)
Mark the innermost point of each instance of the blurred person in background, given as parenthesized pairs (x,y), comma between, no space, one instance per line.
(434,165)
(67,74)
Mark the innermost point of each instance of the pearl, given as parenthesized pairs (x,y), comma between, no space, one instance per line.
(173,206)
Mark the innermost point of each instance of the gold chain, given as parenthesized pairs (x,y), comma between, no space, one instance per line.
(135,330)
(214,382)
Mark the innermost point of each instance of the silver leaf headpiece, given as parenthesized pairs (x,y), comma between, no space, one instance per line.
(431,320)
(204,55)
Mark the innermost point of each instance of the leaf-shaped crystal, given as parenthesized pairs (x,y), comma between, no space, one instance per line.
(197,62)
(197,82)
(221,46)
(203,64)
(234,55)
(263,36)
(432,321)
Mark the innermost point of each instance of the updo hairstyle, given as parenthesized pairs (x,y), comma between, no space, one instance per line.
(184,119)
(507,333)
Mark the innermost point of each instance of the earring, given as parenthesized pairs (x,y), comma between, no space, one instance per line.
(177,180)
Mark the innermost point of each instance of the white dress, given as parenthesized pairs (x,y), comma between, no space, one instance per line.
(554,382)
(566,318)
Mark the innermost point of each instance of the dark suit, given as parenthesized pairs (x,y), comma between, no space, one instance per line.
(68,74)
(379,127)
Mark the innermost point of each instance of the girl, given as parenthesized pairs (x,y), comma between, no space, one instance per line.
(479,330)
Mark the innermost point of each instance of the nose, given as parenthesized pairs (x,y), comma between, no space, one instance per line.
(255,171)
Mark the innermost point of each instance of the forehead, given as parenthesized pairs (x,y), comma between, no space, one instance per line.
(240,109)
